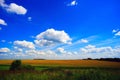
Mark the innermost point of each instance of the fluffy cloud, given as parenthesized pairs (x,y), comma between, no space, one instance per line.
(51,37)
(118,33)
(2,22)
(73,3)
(84,41)
(4,50)
(43,42)
(61,50)
(24,44)
(114,31)
(18,49)
(13,8)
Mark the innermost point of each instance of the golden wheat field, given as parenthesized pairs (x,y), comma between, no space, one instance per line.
(74,63)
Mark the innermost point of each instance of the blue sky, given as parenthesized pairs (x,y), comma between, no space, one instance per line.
(59,29)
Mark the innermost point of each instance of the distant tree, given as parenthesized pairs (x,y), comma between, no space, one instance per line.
(16,65)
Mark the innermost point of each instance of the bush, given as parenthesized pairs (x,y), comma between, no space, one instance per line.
(17,65)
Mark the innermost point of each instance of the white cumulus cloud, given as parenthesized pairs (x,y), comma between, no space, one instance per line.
(24,44)
(2,22)
(72,3)
(51,37)
(4,50)
(13,8)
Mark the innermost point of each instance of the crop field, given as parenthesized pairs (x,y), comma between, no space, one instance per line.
(71,63)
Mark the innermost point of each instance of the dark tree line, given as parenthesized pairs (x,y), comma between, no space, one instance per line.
(110,59)
(105,59)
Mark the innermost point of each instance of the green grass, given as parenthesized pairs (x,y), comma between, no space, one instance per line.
(61,74)
(4,67)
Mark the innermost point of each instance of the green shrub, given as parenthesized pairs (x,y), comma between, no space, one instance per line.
(16,65)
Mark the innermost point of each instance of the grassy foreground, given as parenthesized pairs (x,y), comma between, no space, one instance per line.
(63,70)
(61,74)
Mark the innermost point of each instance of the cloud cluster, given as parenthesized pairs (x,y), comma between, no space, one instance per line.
(24,44)
(17,49)
(13,8)
(4,50)
(93,49)
(2,22)
(26,49)
(89,51)
(51,37)
(98,52)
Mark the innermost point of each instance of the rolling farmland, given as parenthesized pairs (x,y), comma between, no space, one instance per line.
(62,70)
(73,63)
